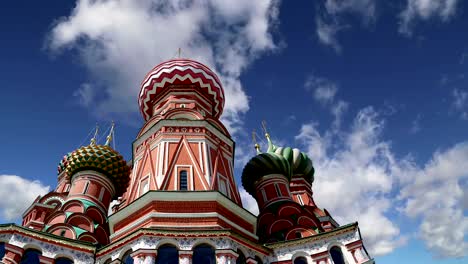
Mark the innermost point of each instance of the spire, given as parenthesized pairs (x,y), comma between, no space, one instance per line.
(254,139)
(179,51)
(93,139)
(111,133)
(271,147)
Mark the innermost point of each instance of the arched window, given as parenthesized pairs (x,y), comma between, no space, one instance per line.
(63,261)
(127,259)
(2,250)
(30,256)
(259,261)
(183,180)
(336,255)
(203,254)
(241,258)
(300,260)
(167,254)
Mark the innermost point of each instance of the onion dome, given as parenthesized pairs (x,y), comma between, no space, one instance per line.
(63,164)
(261,165)
(180,72)
(103,159)
(301,164)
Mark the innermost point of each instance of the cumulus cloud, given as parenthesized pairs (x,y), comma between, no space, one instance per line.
(331,18)
(357,166)
(120,40)
(16,194)
(435,193)
(425,10)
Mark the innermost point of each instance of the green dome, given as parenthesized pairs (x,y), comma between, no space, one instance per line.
(102,159)
(301,164)
(261,165)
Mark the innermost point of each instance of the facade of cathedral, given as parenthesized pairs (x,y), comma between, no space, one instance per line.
(177,200)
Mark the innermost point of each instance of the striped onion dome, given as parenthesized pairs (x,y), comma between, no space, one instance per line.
(180,72)
(261,165)
(103,159)
(301,164)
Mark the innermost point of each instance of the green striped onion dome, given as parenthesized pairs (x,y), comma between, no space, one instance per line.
(102,159)
(261,165)
(301,164)
(63,163)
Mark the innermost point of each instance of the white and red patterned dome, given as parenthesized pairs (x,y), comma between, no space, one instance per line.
(180,72)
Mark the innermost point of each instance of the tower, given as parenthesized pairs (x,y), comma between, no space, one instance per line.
(182,173)
(89,179)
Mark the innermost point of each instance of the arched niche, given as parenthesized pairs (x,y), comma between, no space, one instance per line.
(31,256)
(167,254)
(337,255)
(127,258)
(203,254)
(63,260)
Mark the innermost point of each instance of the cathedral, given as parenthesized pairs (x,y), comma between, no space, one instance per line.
(176,200)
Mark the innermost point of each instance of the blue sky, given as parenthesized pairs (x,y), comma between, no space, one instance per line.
(375,92)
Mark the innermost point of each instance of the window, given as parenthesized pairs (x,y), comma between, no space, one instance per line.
(299,198)
(144,186)
(2,250)
(183,180)
(101,193)
(30,256)
(259,261)
(241,258)
(86,187)
(336,255)
(127,259)
(63,261)
(298,234)
(203,254)
(278,191)
(62,232)
(300,260)
(167,254)
(223,187)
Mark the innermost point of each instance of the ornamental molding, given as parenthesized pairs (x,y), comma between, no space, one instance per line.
(309,247)
(221,242)
(80,255)
(157,127)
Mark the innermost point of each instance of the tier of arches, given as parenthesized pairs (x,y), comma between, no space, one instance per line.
(167,253)
(33,256)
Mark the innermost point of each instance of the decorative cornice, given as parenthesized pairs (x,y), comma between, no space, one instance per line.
(324,235)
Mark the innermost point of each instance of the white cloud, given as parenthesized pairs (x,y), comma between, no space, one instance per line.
(120,40)
(248,201)
(16,194)
(436,193)
(460,102)
(359,178)
(331,20)
(325,93)
(327,33)
(416,124)
(86,94)
(354,173)
(425,10)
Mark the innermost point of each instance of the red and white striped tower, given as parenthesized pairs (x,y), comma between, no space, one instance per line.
(182,149)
